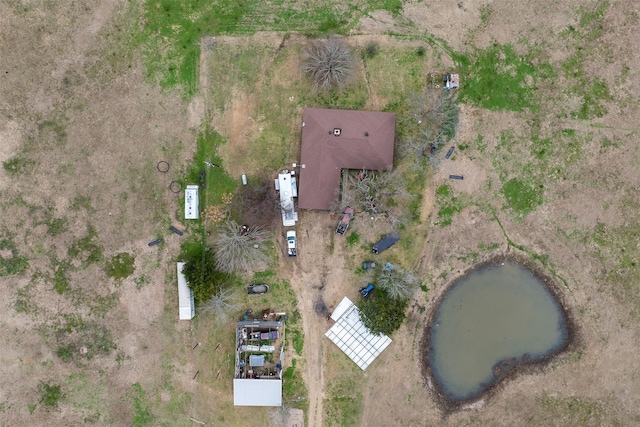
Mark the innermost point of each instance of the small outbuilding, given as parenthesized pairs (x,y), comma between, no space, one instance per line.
(259,363)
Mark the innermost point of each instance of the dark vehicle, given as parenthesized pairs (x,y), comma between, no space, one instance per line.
(257,289)
(368,265)
(385,243)
(344,221)
(366,290)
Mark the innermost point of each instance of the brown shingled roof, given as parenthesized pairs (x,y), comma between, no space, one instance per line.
(365,142)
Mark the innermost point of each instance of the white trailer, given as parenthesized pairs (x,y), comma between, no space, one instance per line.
(191,210)
(186,305)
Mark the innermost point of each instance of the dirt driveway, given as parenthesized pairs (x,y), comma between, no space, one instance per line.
(320,280)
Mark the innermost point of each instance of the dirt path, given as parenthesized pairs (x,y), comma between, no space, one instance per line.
(305,274)
(317,276)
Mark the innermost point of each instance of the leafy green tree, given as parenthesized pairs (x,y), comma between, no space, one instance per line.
(202,277)
(382,314)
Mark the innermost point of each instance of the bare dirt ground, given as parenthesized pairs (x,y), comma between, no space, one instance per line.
(93,131)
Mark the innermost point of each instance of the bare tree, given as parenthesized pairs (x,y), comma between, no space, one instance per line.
(221,305)
(329,62)
(438,113)
(239,249)
(374,192)
(397,282)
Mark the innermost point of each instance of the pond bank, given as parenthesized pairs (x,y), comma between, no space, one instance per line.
(509,367)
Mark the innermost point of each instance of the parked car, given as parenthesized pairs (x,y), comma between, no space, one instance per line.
(385,243)
(368,265)
(344,221)
(366,290)
(257,289)
(292,243)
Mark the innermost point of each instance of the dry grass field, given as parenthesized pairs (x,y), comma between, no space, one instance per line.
(94,93)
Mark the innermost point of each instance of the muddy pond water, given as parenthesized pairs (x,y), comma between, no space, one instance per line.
(488,322)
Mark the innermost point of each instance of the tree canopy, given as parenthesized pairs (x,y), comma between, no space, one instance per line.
(397,282)
(240,249)
(203,278)
(382,314)
(329,62)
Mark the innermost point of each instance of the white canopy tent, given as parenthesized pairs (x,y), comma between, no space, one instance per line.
(352,337)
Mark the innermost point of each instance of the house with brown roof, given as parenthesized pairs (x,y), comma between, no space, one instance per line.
(333,140)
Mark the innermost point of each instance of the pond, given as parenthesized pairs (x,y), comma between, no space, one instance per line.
(489,322)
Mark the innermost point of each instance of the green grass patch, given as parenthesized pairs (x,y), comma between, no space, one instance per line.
(499,77)
(396,73)
(60,278)
(120,266)
(81,202)
(353,238)
(297,340)
(142,415)
(343,399)
(18,165)
(617,248)
(56,226)
(86,396)
(573,411)
(50,394)
(11,262)
(294,391)
(216,181)
(78,339)
(87,249)
(264,275)
(449,204)
(53,132)
(444,190)
(522,197)
(171,32)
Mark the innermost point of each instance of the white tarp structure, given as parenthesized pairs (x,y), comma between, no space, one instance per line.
(352,337)
(186,305)
(267,392)
(286,185)
(191,202)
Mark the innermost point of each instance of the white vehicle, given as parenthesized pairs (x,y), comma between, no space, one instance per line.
(292,244)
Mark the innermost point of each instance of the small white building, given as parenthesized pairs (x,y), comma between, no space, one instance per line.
(186,305)
(286,185)
(191,210)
